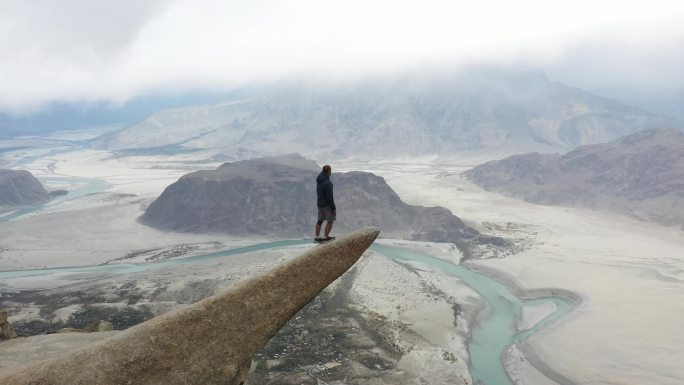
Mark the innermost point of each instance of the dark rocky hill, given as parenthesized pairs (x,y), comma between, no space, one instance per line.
(640,175)
(20,188)
(276,197)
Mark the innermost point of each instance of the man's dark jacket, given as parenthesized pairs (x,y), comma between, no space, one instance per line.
(324,190)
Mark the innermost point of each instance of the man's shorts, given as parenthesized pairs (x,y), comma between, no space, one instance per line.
(325,214)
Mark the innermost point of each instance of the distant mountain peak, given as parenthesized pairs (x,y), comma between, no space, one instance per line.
(418,114)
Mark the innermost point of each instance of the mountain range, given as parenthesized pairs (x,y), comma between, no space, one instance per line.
(418,114)
(276,196)
(641,175)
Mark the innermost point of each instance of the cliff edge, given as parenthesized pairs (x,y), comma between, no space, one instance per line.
(210,342)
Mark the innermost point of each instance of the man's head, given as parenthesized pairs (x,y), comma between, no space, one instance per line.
(327,170)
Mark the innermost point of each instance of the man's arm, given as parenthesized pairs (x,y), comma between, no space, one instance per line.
(330,199)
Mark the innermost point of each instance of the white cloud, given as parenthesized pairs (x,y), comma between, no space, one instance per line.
(91,50)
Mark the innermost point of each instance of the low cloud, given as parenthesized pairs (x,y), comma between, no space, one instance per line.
(84,51)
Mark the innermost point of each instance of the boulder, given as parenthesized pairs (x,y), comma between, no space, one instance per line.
(6,329)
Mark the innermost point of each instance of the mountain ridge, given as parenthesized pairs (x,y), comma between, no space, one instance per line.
(414,115)
(640,175)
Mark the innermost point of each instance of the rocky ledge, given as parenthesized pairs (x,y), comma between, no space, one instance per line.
(210,342)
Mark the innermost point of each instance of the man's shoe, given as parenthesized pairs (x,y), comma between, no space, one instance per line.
(328,239)
(318,240)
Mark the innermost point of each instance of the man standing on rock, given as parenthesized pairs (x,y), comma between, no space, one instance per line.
(326,204)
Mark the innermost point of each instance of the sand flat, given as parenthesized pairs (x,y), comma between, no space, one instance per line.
(630,275)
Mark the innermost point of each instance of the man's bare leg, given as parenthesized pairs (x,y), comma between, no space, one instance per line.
(318,230)
(328,227)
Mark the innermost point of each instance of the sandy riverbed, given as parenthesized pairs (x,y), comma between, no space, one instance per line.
(630,275)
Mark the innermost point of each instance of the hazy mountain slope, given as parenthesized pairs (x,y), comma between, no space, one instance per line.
(19,188)
(415,115)
(641,175)
(277,197)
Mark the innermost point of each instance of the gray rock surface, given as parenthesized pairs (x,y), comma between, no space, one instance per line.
(6,330)
(210,342)
(641,175)
(104,326)
(276,196)
(418,114)
(20,188)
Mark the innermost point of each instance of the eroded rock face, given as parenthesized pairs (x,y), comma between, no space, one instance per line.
(276,196)
(640,175)
(6,329)
(20,188)
(210,342)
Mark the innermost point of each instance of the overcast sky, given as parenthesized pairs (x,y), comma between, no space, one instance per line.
(89,50)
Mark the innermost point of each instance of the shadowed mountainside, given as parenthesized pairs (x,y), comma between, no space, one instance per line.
(208,342)
(276,196)
(20,188)
(641,175)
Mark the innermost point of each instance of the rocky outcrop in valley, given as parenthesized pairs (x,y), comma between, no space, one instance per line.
(276,197)
(20,188)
